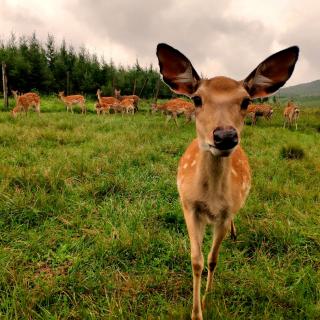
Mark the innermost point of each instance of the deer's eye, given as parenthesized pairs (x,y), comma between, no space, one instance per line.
(245,103)
(197,101)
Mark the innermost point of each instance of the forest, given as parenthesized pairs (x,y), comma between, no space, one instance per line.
(50,67)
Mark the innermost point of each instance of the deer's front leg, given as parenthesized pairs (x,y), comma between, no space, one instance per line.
(175,118)
(196,229)
(168,119)
(220,230)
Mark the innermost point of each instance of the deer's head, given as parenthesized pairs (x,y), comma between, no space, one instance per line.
(221,102)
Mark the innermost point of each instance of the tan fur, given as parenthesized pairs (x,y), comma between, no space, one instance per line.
(72,100)
(117,94)
(108,100)
(102,108)
(174,107)
(213,174)
(259,110)
(25,102)
(291,115)
(128,105)
(213,189)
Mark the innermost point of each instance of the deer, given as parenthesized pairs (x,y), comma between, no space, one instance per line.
(102,108)
(69,101)
(173,108)
(113,102)
(291,115)
(214,176)
(127,106)
(117,94)
(259,110)
(25,101)
(109,100)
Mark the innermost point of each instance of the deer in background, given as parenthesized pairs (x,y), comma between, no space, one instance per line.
(108,100)
(127,106)
(25,101)
(259,110)
(70,101)
(102,108)
(114,103)
(173,108)
(291,115)
(213,174)
(117,94)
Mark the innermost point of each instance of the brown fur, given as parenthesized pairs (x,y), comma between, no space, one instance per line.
(214,181)
(25,102)
(259,110)
(174,107)
(102,108)
(70,101)
(117,94)
(109,100)
(127,105)
(291,115)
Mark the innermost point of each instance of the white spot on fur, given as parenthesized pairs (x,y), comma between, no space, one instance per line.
(185,166)
(234,172)
(193,163)
(180,181)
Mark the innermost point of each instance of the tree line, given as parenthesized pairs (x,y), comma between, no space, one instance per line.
(48,68)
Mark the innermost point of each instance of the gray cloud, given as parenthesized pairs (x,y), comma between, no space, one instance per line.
(218,37)
(202,33)
(26,19)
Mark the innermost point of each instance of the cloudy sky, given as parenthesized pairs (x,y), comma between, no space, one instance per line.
(227,37)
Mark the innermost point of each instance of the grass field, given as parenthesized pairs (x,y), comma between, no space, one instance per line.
(91,225)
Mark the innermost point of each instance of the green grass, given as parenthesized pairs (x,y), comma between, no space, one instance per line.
(91,226)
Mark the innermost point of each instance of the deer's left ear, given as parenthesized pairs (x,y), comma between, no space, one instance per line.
(176,69)
(272,73)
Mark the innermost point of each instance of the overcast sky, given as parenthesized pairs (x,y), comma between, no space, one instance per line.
(228,37)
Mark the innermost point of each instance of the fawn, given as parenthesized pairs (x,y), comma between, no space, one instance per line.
(291,115)
(213,174)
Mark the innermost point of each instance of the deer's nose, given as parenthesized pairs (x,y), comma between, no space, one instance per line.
(225,138)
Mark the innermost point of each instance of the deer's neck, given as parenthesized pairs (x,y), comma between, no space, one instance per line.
(214,173)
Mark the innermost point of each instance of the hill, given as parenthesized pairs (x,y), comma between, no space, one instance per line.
(302,90)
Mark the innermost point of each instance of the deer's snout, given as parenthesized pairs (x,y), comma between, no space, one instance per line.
(225,138)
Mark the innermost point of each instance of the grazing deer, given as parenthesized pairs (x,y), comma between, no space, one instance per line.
(259,110)
(213,174)
(102,108)
(117,94)
(173,108)
(69,101)
(25,101)
(291,115)
(127,106)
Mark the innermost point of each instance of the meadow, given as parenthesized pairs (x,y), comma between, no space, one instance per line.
(91,225)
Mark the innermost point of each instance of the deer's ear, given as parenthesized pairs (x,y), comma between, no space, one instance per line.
(176,69)
(272,73)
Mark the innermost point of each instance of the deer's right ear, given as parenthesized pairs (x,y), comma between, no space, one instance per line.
(176,69)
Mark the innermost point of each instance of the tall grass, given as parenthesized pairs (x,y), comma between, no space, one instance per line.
(91,225)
